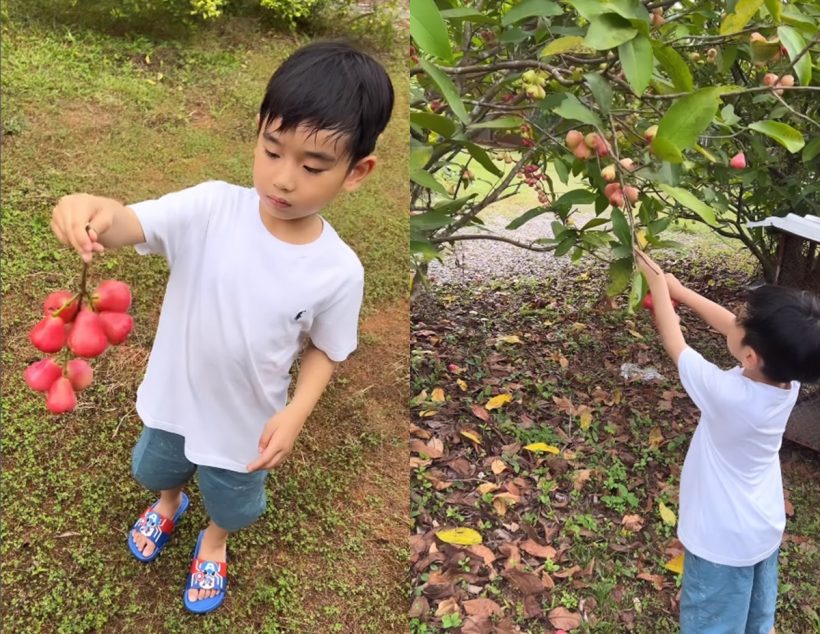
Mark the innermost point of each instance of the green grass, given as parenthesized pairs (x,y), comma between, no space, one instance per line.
(134,119)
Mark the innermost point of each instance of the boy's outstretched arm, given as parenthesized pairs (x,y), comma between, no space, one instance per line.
(713,314)
(283,428)
(666,319)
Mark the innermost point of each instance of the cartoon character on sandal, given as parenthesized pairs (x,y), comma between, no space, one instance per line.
(208,576)
(156,528)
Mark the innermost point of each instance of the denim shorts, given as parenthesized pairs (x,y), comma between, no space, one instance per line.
(232,499)
(718,599)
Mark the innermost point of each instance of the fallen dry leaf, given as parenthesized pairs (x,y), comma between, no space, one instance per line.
(667,514)
(437,396)
(462,385)
(477,625)
(462,536)
(585,417)
(563,619)
(675,564)
(498,466)
(471,435)
(656,580)
(497,401)
(509,339)
(537,550)
(580,477)
(419,608)
(487,487)
(482,607)
(526,582)
(448,606)
(632,523)
(542,446)
(487,555)
(480,412)
(655,438)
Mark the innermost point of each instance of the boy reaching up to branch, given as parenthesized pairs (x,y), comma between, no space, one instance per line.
(732,513)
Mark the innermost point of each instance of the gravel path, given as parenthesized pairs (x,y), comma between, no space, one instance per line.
(484,260)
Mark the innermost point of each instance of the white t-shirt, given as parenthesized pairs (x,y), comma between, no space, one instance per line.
(731,494)
(238,304)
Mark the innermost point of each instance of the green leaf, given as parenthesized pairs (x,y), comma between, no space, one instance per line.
(562,45)
(480,155)
(429,220)
(419,155)
(775,9)
(629,9)
(565,245)
(608,30)
(636,60)
(688,200)
(428,29)
(637,292)
(620,226)
(794,43)
(620,273)
(425,179)
(466,13)
(671,62)
(685,120)
(447,89)
(783,133)
(572,108)
(530,8)
(450,206)
(501,123)
(811,150)
(425,248)
(601,90)
(437,123)
(527,216)
(576,197)
(736,21)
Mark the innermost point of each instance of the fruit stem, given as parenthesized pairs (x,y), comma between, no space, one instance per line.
(82,292)
(65,305)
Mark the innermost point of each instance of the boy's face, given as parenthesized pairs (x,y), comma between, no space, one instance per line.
(296,173)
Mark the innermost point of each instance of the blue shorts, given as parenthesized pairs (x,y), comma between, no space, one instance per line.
(233,500)
(719,599)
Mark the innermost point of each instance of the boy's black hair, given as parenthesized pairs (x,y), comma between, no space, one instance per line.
(783,326)
(331,86)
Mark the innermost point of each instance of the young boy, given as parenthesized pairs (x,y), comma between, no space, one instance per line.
(253,273)
(732,513)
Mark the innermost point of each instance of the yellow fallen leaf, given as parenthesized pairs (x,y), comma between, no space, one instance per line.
(655,437)
(667,514)
(462,536)
(578,326)
(586,419)
(563,362)
(419,398)
(461,384)
(428,412)
(510,339)
(542,446)
(498,466)
(617,396)
(472,436)
(437,396)
(487,487)
(675,565)
(635,334)
(497,401)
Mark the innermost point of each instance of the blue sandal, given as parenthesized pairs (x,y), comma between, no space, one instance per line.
(206,575)
(155,527)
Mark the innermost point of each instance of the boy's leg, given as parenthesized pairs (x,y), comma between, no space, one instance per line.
(158,463)
(764,597)
(233,500)
(715,599)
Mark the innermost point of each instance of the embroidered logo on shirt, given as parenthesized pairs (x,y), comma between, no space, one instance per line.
(299,315)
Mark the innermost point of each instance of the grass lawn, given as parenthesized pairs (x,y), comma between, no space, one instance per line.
(134,118)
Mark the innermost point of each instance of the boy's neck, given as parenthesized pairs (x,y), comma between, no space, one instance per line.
(298,231)
(756,375)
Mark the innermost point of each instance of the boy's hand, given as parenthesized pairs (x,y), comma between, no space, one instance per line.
(78,220)
(648,267)
(277,439)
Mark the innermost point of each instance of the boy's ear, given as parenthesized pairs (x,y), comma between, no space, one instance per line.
(358,173)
